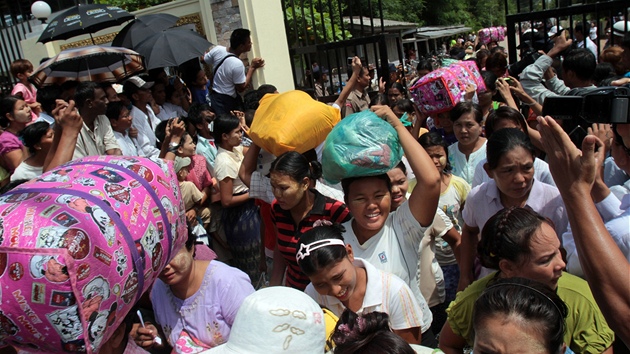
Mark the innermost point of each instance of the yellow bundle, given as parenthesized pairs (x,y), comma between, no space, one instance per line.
(292,121)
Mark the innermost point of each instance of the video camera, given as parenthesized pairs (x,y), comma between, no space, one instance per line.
(608,104)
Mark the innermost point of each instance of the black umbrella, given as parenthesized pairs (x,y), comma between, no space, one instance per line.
(143,27)
(172,47)
(81,19)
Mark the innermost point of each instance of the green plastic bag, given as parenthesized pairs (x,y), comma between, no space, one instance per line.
(362,144)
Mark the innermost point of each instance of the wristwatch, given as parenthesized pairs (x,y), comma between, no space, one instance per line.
(172,147)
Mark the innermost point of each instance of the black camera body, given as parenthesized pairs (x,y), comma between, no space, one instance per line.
(608,104)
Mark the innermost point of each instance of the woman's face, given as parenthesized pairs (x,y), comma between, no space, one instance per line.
(393,95)
(438,156)
(499,334)
(514,174)
(369,201)
(21,112)
(187,148)
(400,185)
(46,141)
(445,122)
(544,264)
(506,123)
(233,138)
(180,267)
(288,191)
(338,280)
(467,130)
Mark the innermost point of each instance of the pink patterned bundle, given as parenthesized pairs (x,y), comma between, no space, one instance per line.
(79,246)
(468,73)
(437,92)
(492,34)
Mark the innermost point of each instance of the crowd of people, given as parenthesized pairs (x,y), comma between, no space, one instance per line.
(500,230)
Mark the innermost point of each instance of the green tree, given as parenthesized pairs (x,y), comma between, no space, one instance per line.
(132,5)
(314,22)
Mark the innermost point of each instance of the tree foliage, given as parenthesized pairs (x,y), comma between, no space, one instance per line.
(132,5)
(314,21)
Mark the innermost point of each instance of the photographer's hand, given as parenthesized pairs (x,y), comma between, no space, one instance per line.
(561,43)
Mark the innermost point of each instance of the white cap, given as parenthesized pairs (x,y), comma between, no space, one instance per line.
(619,28)
(277,319)
(139,83)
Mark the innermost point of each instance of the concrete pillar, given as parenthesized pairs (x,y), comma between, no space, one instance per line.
(266,21)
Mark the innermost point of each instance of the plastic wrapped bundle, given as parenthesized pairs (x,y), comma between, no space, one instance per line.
(492,34)
(79,246)
(362,144)
(468,73)
(292,121)
(438,91)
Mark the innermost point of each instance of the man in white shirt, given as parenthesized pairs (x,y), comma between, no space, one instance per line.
(96,136)
(581,33)
(144,120)
(229,72)
(120,120)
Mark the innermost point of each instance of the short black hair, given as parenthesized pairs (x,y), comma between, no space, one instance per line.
(239,36)
(84,92)
(114,109)
(582,62)
(47,97)
(194,113)
(32,135)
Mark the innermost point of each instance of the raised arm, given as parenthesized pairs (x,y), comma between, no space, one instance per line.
(356,71)
(604,265)
(248,166)
(67,128)
(424,198)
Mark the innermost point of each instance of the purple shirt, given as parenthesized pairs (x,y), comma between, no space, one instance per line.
(8,143)
(203,320)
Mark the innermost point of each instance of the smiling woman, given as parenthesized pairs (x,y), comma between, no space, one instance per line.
(340,281)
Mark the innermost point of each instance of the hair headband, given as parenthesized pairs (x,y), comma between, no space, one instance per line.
(530,288)
(305,250)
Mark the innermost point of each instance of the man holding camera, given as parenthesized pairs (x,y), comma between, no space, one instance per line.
(578,68)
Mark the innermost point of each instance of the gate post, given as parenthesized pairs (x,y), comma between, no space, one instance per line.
(266,21)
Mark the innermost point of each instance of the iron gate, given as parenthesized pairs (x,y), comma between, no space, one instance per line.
(326,33)
(565,13)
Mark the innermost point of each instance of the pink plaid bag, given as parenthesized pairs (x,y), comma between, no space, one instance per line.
(437,92)
(79,246)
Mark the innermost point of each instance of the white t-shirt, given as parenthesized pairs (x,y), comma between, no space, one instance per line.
(127,146)
(145,123)
(227,165)
(231,73)
(26,171)
(541,173)
(462,167)
(590,45)
(384,292)
(394,249)
(215,55)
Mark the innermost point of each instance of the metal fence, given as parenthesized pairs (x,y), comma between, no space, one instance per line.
(543,14)
(326,34)
(15,23)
